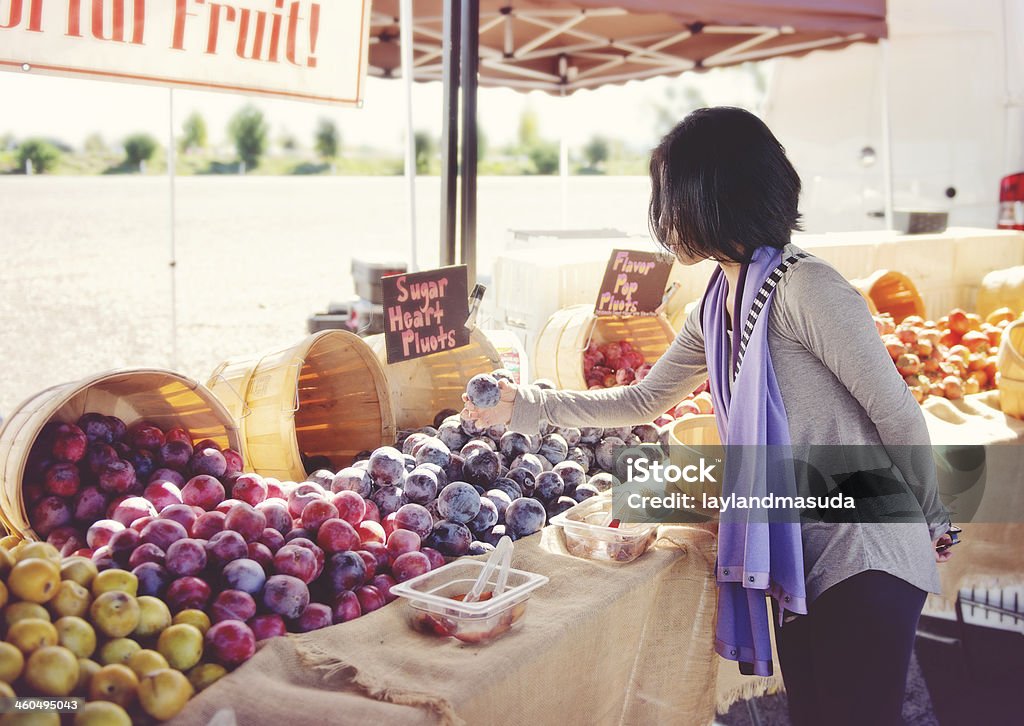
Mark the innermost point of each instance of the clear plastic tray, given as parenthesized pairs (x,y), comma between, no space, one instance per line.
(434,609)
(585,535)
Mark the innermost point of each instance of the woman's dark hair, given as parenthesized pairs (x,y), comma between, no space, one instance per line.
(721,186)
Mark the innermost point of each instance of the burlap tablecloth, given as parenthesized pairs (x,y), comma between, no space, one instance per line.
(993,541)
(600,644)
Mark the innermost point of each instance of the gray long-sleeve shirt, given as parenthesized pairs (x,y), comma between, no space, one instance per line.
(840,389)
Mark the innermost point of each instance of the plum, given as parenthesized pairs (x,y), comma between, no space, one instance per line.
(525,478)
(409,565)
(388,499)
(62,479)
(433,451)
(261,555)
(99,456)
(277,515)
(480,548)
(647,433)
(322,477)
(582,455)
(570,434)
(100,532)
(401,541)
(513,444)
(153,579)
(186,557)
(271,539)
(477,445)
(549,486)
(268,626)
(246,520)
(509,486)
(296,561)
(346,607)
(286,596)
(585,491)
(97,427)
(454,470)
(117,477)
(176,454)
(315,616)
(554,448)
(590,435)
(524,517)
(337,535)
(530,462)
(603,481)
(500,500)
(348,505)
(70,444)
(421,485)
(224,547)
(316,513)
(450,538)
(450,434)
(234,462)
(174,477)
(482,467)
(232,605)
(345,571)
(370,598)
(486,518)
(49,513)
(572,475)
(415,518)
(387,467)
(208,524)
(122,544)
(411,441)
(208,461)
(131,509)
(458,502)
(118,427)
(203,490)
(188,593)
(607,451)
(370,531)
(230,642)
(163,532)
(560,505)
(482,391)
(162,494)
(353,479)
(145,435)
(435,557)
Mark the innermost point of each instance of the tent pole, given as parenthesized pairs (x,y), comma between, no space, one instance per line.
(563,167)
(171,152)
(886,136)
(406,32)
(450,130)
(470,63)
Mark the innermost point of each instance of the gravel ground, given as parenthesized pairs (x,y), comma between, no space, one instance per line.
(85,284)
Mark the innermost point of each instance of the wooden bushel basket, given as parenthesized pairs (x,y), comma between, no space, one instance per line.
(558,355)
(325,396)
(888,291)
(1011,370)
(422,387)
(162,397)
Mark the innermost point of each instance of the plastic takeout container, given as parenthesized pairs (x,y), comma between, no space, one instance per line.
(433,607)
(588,533)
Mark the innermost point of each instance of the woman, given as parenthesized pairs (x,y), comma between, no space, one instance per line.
(806,370)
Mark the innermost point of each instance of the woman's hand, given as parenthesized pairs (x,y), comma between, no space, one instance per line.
(500,415)
(944,554)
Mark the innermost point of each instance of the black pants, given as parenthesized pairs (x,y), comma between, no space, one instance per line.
(846,661)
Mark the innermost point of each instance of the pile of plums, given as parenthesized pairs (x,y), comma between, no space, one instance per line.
(616,363)
(100,468)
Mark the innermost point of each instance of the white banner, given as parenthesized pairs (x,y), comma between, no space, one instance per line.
(299,49)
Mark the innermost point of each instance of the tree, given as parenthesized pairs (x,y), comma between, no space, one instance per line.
(41,153)
(139,148)
(327,141)
(248,129)
(544,155)
(596,152)
(426,149)
(94,144)
(7,141)
(529,133)
(193,133)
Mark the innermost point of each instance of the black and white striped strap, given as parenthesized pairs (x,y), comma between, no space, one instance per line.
(759,302)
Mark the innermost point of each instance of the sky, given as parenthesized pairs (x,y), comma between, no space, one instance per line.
(71,109)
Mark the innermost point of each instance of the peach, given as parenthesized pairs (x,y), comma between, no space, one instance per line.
(953,387)
(958,322)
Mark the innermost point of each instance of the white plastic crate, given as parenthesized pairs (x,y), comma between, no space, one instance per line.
(853,254)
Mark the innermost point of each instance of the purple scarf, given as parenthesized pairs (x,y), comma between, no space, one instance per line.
(755,557)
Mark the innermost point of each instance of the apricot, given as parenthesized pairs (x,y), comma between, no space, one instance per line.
(52,671)
(164,693)
(35,580)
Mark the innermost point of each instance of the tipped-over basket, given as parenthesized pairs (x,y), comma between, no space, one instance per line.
(1011,370)
(162,397)
(323,397)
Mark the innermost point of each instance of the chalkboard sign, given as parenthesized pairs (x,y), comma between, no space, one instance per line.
(634,283)
(425,312)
